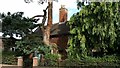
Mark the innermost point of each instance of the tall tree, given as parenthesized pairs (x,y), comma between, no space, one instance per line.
(96,27)
(46,29)
(15,25)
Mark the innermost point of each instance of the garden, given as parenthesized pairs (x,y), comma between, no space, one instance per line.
(94,38)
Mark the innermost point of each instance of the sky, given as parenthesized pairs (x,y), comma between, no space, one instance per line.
(34,8)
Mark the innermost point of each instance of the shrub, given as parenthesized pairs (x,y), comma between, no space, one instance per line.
(51,59)
(108,60)
(9,58)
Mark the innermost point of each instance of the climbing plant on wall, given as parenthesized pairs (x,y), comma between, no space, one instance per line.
(97,27)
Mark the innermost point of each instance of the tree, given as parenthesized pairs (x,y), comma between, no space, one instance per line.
(16,24)
(46,29)
(94,28)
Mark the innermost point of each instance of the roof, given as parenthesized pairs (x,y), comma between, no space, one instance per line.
(56,29)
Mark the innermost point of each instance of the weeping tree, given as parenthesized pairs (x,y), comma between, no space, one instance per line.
(95,28)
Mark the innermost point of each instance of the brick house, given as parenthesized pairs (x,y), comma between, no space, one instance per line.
(59,32)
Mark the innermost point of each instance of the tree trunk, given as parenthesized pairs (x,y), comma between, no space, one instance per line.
(46,36)
(46,31)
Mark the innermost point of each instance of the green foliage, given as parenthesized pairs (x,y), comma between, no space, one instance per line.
(30,44)
(96,26)
(51,59)
(9,58)
(108,60)
(16,24)
(8,43)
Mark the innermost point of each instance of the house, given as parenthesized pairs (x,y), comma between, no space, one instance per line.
(59,32)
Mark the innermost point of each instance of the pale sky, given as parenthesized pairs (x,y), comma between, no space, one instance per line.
(34,8)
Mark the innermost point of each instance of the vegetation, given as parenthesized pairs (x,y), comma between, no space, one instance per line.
(15,25)
(95,29)
(94,39)
(9,58)
(51,59)
(30,44)
(98,62)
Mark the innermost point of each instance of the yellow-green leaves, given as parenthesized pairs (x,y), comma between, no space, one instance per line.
(73,31)
(83,40)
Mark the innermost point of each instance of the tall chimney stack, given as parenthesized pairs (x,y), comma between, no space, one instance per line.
(63,14)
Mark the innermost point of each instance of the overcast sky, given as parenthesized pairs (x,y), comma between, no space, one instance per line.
(34,8)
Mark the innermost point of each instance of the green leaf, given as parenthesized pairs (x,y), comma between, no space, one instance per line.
(73,31)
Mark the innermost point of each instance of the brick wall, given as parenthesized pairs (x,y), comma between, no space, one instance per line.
(63,14)
(61,41)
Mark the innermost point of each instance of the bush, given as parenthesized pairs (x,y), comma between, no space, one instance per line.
(51,59)
(9,58)
(109,60)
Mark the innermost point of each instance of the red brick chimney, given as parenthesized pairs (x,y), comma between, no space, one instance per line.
(63,14)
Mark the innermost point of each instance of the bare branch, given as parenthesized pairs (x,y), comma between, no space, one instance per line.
(44,18)
(28,1)
(38,16)
(42,1)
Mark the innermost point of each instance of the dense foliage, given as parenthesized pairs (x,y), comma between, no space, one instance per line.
(9,43)
(106,61)
(96,28)
(9,58)
(16,24)
(30,44)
